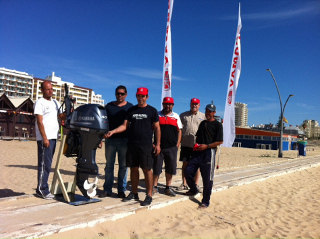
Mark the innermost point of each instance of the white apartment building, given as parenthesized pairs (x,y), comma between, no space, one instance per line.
(80,94)
(241,114)
(96,99)
(15,83)
(311,128)
(20,84)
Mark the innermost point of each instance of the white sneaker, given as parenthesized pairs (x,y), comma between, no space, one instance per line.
(49,196)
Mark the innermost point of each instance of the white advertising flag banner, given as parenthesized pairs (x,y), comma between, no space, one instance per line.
(167,65)
(229,129)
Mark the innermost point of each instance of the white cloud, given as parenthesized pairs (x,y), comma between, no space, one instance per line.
(288,14)
(303,9)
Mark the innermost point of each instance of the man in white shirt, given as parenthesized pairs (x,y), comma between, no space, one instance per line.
(46,111)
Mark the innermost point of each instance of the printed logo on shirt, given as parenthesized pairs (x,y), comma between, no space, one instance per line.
(47,109)
(139,116)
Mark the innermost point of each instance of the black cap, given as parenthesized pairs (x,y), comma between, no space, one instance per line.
(211,107)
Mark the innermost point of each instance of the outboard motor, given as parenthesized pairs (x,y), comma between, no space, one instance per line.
(87,125)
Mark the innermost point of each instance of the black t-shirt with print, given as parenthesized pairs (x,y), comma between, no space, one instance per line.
(141,120)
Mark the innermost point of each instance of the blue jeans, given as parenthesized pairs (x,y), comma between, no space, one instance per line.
(114,145)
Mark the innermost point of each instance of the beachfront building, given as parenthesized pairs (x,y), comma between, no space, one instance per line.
(80,94)
(16,117)
(263,139)
(19,91)
(17,120)
(96,99)
(241,114)
(311,128)
(15,83)
(21,84)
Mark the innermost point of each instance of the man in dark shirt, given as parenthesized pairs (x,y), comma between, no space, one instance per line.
(141,120)
(116,111)
(209,136)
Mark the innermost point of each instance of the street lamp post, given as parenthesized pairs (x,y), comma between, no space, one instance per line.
(281,115)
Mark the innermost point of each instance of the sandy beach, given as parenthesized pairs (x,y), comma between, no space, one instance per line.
(285,206)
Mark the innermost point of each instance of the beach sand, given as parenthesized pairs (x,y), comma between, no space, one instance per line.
(280,207)
(283,206)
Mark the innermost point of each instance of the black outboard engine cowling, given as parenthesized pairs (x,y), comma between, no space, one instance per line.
(88,125)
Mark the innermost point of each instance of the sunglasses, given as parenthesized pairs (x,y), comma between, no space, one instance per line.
(119,93)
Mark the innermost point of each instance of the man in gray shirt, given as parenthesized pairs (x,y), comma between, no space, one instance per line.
(190,120)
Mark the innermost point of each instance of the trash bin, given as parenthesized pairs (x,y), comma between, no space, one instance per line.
(294,146)
(302,148)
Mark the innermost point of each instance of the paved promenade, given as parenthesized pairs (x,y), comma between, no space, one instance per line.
(28,216)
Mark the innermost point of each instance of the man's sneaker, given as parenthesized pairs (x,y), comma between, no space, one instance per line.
(183,187)
(49,196)
(170,192)
(121,195)
(202,206)
(131,196)
(155,190)
(104,194)
(191,193)
(147,201)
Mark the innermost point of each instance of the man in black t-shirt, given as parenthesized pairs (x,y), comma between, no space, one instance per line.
(141,121)
(117,144)
(209,136)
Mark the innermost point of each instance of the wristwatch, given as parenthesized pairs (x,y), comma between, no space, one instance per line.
(208,146)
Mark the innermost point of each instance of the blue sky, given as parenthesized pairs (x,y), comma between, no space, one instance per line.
(101,44)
